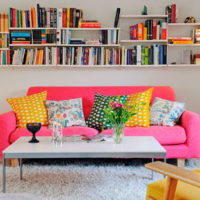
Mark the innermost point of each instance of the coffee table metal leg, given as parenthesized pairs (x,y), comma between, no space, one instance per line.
(4,175)
(152,171)
(20,163)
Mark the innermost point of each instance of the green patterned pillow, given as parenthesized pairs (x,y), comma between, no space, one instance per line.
(97,117)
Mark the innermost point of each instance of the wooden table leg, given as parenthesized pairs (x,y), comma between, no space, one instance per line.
(170,188)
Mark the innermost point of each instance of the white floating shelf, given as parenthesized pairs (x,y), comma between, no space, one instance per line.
(183,45)
(4,32)
(183,24)
(4,49)
(88,45)
(143,41)
(74,29)
(184,65)
(89,29)
(144,16)
(29,28)
(64,45)
(32,45)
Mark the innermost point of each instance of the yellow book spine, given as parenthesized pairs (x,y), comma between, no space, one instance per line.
(2,36)
(183,42)
(145,33)
(68,17)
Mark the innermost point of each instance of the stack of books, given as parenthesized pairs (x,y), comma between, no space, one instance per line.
(149,30)
(3,22)
(4,57)
(90,24)
(145,55)
(171,12)
(87,56)
(20,38)
(4,40)
(24,56)
(181,40)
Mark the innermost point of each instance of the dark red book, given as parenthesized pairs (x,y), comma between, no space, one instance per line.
(58,56)
(86,55)
(7,57)
(134,32)
(154,29)
(64,18)
(14,23)
(173,13)
(142,30)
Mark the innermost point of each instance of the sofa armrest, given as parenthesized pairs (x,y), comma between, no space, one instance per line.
(191,123)
(7,126)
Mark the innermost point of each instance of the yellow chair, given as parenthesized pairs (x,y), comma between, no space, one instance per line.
(180,184)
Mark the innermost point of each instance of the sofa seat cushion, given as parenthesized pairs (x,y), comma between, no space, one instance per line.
(165,135)
(44,131)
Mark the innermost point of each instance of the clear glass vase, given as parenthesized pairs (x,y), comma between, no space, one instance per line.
(118,132)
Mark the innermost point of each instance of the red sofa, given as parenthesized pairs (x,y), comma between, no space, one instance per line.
(180,141)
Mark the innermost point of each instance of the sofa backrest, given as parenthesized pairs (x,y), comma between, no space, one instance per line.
(87,93)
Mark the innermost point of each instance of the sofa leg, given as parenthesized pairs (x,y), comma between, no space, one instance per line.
(181,162)
(14,162)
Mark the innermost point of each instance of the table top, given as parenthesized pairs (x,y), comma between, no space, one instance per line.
(137,147)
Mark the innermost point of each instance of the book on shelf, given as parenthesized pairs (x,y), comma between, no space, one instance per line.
(151,29)
(110,36)
(117,17)
(181,40)
(170,11)
(4,40)
(3,22)
(144,55)
(4,57)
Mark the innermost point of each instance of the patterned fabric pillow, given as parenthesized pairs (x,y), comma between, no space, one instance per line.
(166,113)
(69,112)
(97,117)
(141,119)
(29,109)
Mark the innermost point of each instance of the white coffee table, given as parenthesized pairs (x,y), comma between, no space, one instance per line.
(131,147)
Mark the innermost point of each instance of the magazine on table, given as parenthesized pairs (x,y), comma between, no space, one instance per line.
(83,138)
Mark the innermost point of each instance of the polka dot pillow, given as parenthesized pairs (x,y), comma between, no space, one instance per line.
(97,118)
(141,119)
(29,109)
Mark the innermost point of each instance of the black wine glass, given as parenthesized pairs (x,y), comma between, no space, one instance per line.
(33,128)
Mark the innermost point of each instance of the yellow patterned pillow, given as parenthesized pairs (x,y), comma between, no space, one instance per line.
(29,109)
(141,119)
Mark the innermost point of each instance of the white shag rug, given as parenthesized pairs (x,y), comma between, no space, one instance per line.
(88,181)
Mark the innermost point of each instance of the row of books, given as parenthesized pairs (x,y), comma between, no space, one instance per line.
(3,22)
(149,30)
(171,12)
(145,55)
(4,57)
(4,40)
(46,17)
(66,56)
(88,56)
(181,40)
(30,56)
(44,36)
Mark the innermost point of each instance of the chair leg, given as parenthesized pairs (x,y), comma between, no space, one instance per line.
(181,162)
(14,162)
(170,188)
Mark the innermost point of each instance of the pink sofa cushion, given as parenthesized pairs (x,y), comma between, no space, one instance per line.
(163,134)
(87,93)
(44,131)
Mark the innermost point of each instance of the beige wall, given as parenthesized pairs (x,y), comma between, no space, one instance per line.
(184,80)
